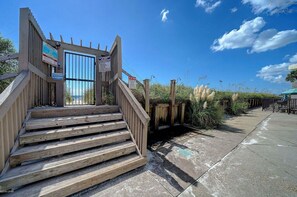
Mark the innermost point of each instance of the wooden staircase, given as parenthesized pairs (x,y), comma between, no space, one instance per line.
(66,150)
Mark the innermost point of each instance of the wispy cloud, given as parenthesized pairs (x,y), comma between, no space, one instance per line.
(249,36)
(164,14)
(272,39)
(208,5)
(293,59)
(233,10)
(271,6)
(276,73)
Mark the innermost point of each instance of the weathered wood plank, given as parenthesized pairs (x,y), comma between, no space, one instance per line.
(38,171)
(67,146)
(46,135)
(72,120)
(49,112)
(8,76)
(74,182)
(9,57)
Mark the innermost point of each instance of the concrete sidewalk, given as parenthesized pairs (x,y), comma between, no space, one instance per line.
(201,164)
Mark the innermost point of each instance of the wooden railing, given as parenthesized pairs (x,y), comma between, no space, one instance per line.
(14,103)
(28,89)
(135,116)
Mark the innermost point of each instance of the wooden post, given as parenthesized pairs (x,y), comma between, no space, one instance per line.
(146,83)
(182,113)
(156,116)
(98,85)
(24,39)
(119,56)
(60,84)
(172,101)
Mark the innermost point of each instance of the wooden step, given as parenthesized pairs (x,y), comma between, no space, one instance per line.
(58,148)
(45,135)
(26,174)
(43,123)
(79,180)
(51,112)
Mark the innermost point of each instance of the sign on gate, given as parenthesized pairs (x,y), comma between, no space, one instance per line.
(104,64)
(132,82)
(57,76)
(49,54)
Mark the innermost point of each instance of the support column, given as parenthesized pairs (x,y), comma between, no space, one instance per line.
(146,83)
(98,90)
(60,90)
(172,101)
(24,39)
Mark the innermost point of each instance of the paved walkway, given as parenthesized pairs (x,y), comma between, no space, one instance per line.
(250,155)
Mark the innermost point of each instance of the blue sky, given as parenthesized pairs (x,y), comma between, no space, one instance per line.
(247,44)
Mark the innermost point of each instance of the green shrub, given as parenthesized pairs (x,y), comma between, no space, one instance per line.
(204,111)
(239,107)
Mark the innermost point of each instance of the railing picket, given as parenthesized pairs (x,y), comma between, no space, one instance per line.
(6,136)
(2,151)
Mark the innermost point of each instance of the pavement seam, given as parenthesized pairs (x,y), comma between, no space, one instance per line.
(231,151)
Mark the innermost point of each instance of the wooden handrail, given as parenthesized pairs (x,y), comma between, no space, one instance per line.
(134,103)
(14,103)
(10,94)
(135,116)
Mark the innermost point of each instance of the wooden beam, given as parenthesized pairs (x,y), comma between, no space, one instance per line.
(71,40)
(61,38)
(8,76)
(9,57)
(98,46)
(147,95)
(106,48)
(51,36)
(38,72)
(90,44)
(115,77)
(172,101)
(81,49)
(24,39)
(80,42)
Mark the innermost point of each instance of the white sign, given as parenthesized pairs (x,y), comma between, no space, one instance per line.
(132,82)
(104,64)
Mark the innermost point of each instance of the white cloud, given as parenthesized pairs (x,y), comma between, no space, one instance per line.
(208,5)
(293,59)
(272,39)
(249,36)
(164,13)
(274,73)
(233,10)
(270,6)
(243,37)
